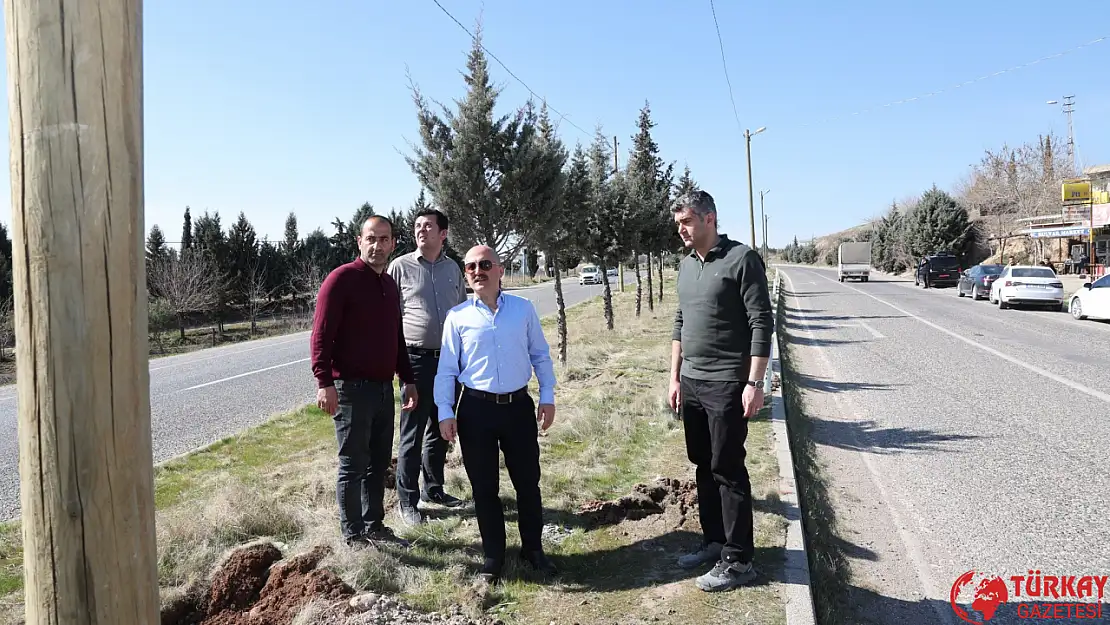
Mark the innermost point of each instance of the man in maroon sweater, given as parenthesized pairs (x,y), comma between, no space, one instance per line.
(357,348)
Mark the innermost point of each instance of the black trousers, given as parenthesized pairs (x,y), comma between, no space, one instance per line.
(486,428)
(716,430)
(422,449)
(364,432)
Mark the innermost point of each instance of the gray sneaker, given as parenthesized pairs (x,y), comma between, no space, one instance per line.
(410,516)
(727,576)
(707,555)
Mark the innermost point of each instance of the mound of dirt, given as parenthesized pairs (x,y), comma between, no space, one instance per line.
(661,495)
(254,586)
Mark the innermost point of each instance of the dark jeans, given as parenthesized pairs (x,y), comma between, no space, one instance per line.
(485,428)
(421,445)
(364,431)
(713,416)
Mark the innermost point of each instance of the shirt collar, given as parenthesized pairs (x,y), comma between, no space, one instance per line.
(477,301)
(717,250)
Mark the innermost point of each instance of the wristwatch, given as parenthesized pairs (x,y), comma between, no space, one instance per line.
(756,383)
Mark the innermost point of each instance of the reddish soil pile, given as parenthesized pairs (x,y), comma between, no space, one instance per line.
(255,587)
(662,495)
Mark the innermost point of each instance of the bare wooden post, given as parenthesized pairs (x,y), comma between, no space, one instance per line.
(86,472)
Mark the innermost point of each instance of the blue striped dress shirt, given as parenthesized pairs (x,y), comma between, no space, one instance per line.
(491,351)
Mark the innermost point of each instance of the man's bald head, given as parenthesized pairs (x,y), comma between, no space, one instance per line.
(483,270)
(482,252)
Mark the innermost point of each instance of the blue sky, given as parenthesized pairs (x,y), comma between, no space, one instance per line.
(267,107)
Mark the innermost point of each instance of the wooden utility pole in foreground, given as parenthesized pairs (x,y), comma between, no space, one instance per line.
(86,472)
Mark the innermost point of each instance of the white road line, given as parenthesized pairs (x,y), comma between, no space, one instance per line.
(187,361)
(1086,390)
(915,552)
(243,375)
(875,333)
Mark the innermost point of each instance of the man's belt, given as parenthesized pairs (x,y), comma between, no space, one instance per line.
(497,398)
(422,351)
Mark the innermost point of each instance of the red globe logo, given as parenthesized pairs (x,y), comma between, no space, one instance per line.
(990,593)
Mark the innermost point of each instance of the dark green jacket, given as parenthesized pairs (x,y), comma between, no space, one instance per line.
(724,314)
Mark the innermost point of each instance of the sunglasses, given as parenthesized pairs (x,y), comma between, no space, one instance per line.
(484,265)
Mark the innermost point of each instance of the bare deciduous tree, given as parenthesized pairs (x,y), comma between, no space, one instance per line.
(7,326)
(306,278)
(257,293)
(187,284)
(1012,184)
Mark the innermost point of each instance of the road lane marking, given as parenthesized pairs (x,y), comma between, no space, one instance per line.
(914,549)
(875,333)
(1086,390)
(243,375)
(186,361)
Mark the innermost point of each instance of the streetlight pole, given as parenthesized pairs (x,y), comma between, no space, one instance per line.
(763,219)
(748,134)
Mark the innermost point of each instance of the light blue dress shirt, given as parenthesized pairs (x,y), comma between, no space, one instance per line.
(491,351)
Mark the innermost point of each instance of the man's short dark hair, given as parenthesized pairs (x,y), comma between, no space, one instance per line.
(441,219)
(385,219)
(698,201)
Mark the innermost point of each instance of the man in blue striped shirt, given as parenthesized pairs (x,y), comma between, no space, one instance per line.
(491,344)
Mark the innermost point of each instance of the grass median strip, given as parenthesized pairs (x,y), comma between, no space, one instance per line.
(612,432)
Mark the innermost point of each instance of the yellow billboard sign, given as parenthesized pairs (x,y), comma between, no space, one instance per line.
(1076,191)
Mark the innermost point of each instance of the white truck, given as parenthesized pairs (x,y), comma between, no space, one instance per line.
(854,261)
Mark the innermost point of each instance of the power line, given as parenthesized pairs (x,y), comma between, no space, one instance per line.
(562,116)
(962,84)
(724,64)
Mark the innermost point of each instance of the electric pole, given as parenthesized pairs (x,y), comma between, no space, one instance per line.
(86,472)
(1069,108)
(763,219)
(751,193)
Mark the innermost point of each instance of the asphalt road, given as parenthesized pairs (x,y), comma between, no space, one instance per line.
(203,396)
(977,437)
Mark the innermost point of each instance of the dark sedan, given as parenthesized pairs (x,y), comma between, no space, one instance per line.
(976,281)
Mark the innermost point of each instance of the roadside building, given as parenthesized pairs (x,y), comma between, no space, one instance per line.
(1076,239)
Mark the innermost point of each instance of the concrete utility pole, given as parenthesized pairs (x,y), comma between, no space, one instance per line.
(751,194)
(85,465)
(763,219)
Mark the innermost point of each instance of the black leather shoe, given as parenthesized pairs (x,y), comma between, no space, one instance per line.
(490,571)
(540,562)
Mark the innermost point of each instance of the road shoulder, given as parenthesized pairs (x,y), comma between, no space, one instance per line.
(866,563)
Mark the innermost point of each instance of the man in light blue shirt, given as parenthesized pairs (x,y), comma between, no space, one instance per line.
(491,344)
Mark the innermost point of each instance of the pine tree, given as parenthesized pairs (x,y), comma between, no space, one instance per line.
(649,195)
(156,249)
(187,232)
(292,243)
(938,223)
(603,204)
(486,171)
(242,252)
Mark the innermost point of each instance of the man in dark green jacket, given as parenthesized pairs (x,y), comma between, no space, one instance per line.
(719,351)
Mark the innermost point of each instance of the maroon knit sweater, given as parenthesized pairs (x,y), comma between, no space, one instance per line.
(356,332)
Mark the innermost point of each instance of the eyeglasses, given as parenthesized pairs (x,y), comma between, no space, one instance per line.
(484,265)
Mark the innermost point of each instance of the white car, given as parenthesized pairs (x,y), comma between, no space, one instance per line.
(590,274)
(612,273)
(1092,300)
(1027,285)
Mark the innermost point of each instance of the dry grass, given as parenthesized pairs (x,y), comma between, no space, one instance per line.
(612,430)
